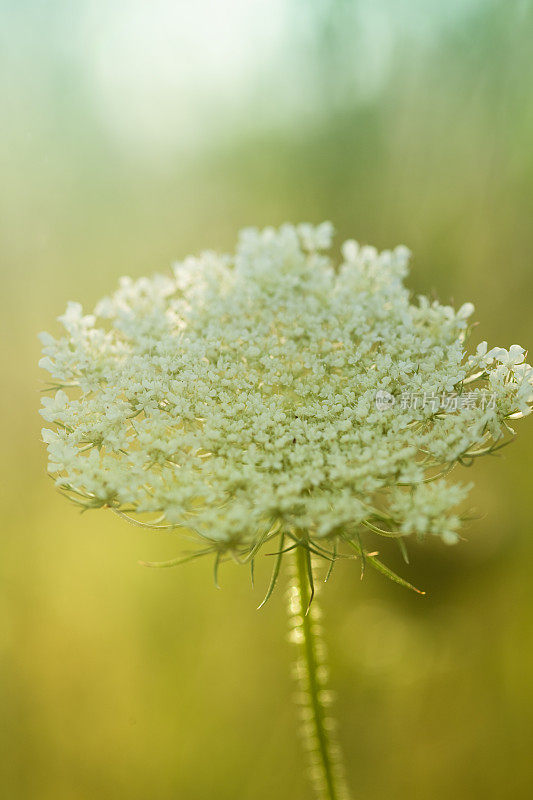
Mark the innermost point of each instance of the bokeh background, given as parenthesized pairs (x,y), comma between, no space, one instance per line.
(133,133)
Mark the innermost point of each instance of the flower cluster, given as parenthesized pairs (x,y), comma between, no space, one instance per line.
(235,397)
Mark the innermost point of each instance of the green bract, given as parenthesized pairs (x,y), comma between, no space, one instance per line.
(274,392)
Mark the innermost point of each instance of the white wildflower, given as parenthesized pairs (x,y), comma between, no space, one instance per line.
(237,395)
(515,355)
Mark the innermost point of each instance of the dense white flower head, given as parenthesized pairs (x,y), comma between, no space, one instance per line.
(236,396)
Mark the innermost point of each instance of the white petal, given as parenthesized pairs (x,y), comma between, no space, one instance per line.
(466,310)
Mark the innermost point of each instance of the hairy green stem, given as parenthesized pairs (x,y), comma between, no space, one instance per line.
(326,770)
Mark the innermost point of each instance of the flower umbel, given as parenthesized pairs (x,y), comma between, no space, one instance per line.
(236,397)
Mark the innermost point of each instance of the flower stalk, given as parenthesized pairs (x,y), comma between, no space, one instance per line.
(317,724)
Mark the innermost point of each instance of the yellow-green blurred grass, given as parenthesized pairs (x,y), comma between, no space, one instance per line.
(122,682)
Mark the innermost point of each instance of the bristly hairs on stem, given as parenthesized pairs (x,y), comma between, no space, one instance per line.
(317,726)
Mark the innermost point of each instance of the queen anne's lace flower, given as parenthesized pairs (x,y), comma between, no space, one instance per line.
(237,396)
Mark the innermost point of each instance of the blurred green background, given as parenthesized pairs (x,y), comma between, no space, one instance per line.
(136,132)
